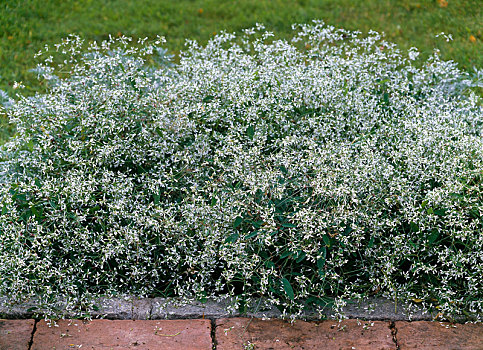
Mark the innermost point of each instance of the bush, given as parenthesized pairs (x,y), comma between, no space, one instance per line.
(310,172)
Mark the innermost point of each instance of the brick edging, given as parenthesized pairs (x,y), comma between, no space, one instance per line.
(133,308)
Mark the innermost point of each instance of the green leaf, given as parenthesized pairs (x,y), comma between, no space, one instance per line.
(237,222)
(250,132)
(287,224)
(208,99)
(283,169)
(36,213)
(371,242)
(347,230)
(321,301)
(253,234)
(285,254)
(256,224)
(156,198)
(213,201)
(159,131)
(269,264)
(414,227)
(321,260)
(288,288)
(326,240)
(53,203)
(30,146)
(94,209)
(433,236)
(232,238)
(386,98)
(300,257)
(440,212)
(21,197)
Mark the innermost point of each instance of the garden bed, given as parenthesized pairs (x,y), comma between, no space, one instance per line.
(310,172)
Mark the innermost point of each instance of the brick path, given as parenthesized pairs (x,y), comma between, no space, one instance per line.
(237,333)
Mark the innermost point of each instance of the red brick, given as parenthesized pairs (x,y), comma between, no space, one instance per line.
(124,334)
(234,333)
(441,336)
(15,334)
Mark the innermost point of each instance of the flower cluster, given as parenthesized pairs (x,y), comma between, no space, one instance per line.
(307,172)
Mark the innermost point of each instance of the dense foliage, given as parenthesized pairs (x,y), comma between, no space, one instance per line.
(331,167)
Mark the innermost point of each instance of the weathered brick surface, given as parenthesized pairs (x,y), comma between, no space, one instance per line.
(235,333)
(124,334)
(441,336)
(15,334)
(238,333)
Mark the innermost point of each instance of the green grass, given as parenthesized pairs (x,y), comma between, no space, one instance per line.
(26,26)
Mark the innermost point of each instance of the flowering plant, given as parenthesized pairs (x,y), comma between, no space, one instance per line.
(334,166)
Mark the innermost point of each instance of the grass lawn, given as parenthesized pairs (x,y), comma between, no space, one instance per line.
(26,26)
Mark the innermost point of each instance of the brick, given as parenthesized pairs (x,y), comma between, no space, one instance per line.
(441,336)
(15,334)
(124,334)
(237,333)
